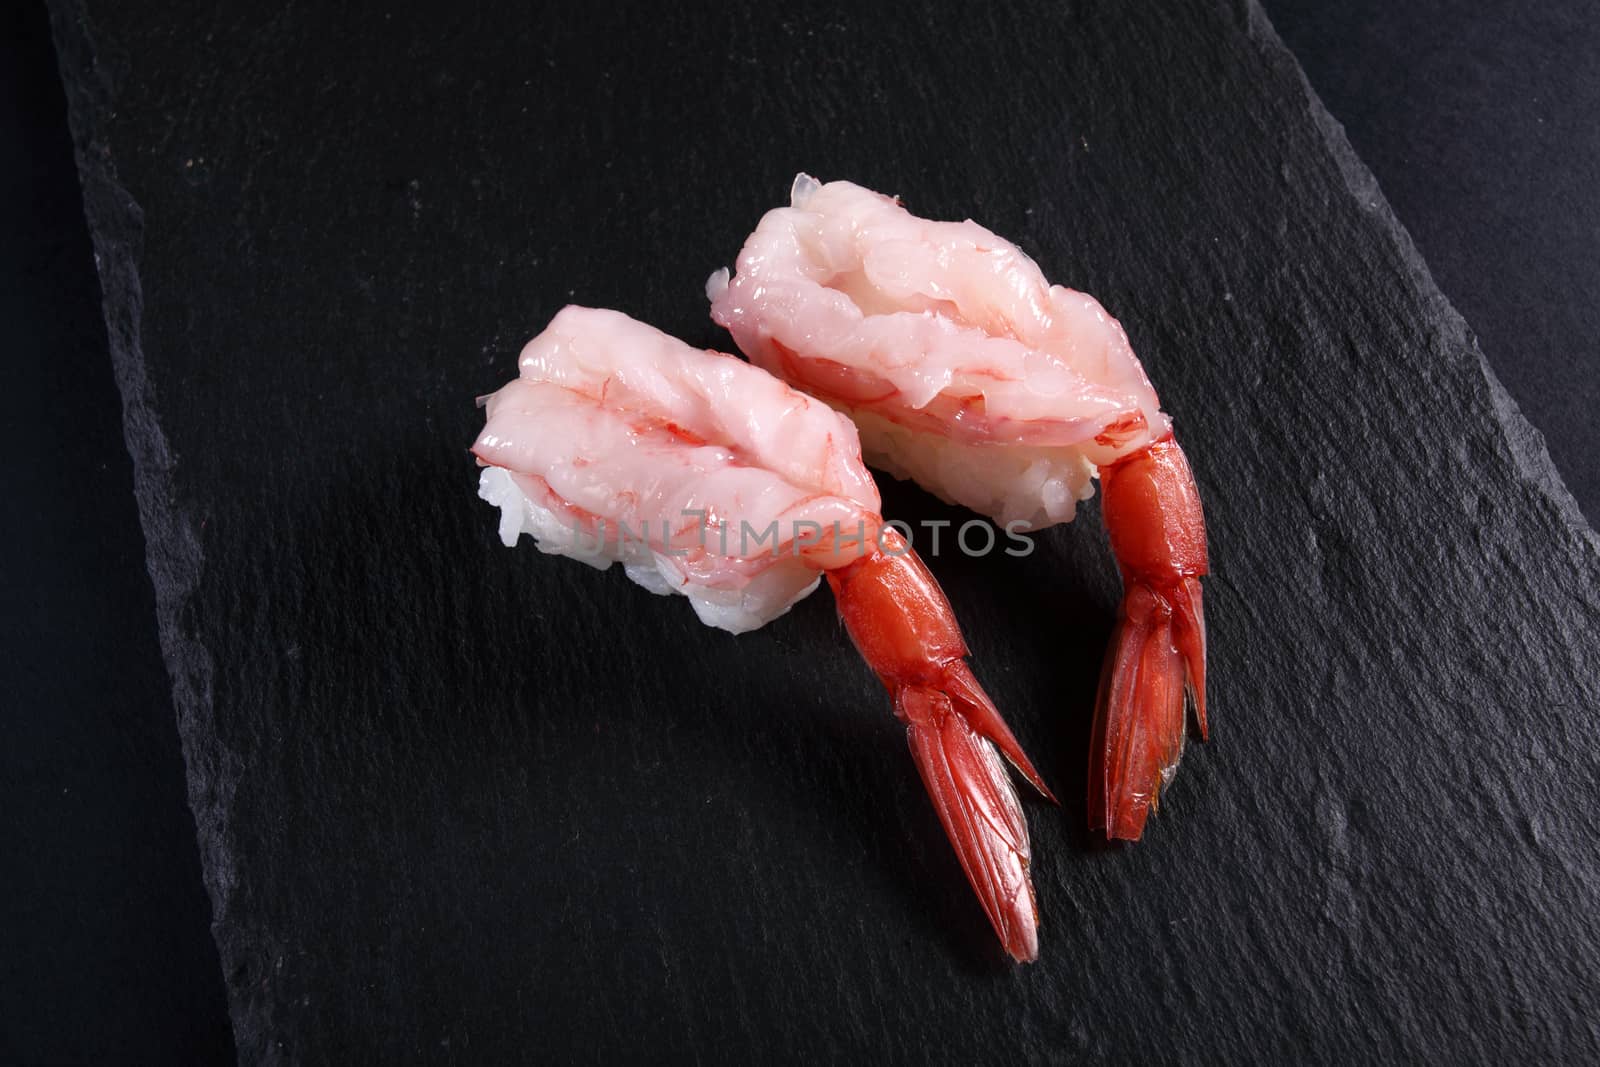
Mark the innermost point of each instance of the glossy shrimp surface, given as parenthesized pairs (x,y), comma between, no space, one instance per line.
(962,367)
(618,443)
(966,371)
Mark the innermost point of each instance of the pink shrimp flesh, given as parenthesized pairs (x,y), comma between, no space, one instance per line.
(966,371)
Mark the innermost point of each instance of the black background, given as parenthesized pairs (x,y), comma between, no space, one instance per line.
(1477,120)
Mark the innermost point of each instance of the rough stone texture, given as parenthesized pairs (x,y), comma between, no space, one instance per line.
(467,804)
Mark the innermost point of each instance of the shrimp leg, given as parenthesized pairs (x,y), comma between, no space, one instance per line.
(904,628)
(1156,662)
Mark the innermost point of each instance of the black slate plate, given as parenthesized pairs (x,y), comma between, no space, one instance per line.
(459,803)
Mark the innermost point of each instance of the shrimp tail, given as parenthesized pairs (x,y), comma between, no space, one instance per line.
(979,810)
(981,714)
(1156,663)
(904,628)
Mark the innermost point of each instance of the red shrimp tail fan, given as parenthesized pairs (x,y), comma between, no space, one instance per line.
(976,803)
(1154,670)
(981,714)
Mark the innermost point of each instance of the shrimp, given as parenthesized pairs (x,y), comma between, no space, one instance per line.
(709,478)
(967,372)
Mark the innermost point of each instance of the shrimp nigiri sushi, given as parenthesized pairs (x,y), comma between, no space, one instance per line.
(967,372)
(709,478)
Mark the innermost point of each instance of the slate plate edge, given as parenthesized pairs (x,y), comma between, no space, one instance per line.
(1521,437)
(173,554)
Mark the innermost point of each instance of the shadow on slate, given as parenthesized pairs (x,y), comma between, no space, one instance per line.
(464,804)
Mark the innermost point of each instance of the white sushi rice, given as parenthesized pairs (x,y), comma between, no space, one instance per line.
(1021,488)
(766,596)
